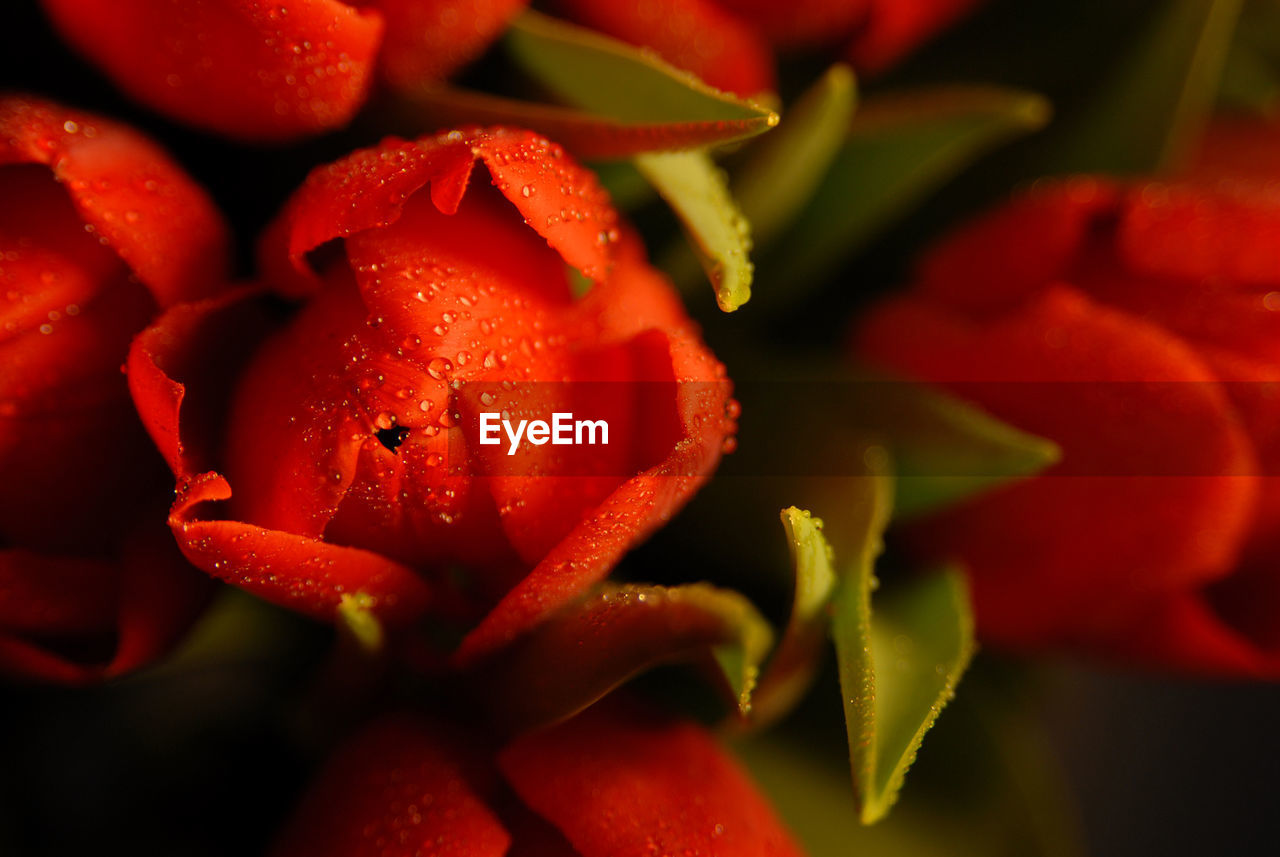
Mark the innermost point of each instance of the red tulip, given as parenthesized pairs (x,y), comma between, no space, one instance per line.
(1138,323)
(351,457)
(98,229)
(728,43)
(274,69)
(610,783)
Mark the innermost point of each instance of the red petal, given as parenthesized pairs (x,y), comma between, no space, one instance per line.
(1012,252)
(622,784)
(1237,150)
(895,27)
(73,462)
(51,265)
(466,314)
(137,200)
(1186,232)
(292,458)
(286,568)
(635,300)
(1048,552)
(398,789)
(696,35)
(427,40)
(138,603)
(297,572)
(1185,632)
(178,345)
(252,69)
(56,594)
(561,201)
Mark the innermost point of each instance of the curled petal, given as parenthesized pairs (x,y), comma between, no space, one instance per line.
(399,788)
(172,353)
(619,783)
(561,201)
(301,573)
(259,70)
(298,571)
(135,198)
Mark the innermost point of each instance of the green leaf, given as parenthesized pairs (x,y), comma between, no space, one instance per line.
(579,655)
(612,78)
(586,134)
(794,663)
(786,167)
(1149,112)
(901,146)
(995,788)
(696,189)
(945,450)
(921,642)
(899,665)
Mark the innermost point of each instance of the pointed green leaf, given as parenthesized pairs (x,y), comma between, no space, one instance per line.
(996,788)
(921,642)
(576,657)
(612,78)
(900,147)
(899,664)
(696,189)
(944,449)
(586,134)
(791,668)
(786,167)
(1147,115)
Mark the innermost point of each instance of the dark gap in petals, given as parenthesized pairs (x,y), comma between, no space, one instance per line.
(392,437)
(330,254)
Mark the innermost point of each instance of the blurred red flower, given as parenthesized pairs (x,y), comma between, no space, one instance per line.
(1139,326)
(98,229)
(611,782)
(728,43)
(351,445)
(274,69)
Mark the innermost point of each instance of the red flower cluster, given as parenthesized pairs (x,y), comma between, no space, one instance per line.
(274,69)
(351,459)
(98,229)
(728,43)
(612,781)
(1136,326)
